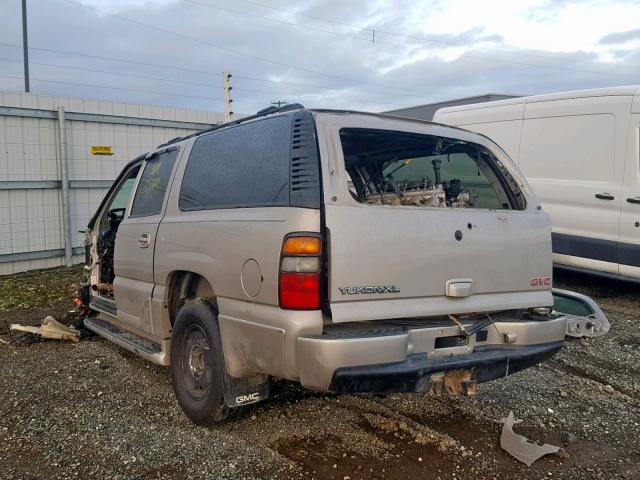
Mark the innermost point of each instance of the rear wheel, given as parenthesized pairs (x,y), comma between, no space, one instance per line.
(197,363)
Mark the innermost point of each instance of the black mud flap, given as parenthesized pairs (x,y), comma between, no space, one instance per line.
(243,391)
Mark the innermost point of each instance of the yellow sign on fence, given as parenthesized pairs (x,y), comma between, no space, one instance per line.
(101,150)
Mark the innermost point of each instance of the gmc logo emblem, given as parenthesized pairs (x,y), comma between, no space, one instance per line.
(248,398)
(540,281)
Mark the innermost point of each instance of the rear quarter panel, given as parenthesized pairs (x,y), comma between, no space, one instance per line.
(216,244)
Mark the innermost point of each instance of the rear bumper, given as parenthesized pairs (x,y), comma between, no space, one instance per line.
(414,374)
(403,360)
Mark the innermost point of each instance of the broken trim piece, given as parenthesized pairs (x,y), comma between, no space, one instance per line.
(50,328)
(592,325)
(520,447)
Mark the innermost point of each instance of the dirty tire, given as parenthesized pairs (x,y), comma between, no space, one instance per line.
(197,363)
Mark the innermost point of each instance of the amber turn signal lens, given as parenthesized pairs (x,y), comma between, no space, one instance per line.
(302,246)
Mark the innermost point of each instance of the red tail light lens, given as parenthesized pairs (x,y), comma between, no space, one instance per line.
(300,290)
(300,272)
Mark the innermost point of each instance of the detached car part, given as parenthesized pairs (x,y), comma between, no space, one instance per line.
(584,316)
(521,447)
(50,328)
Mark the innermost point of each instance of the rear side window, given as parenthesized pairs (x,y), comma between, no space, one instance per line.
(153,184)
(244,166)
(396,168)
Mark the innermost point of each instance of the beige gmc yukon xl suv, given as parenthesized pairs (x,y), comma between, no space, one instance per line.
(351,252)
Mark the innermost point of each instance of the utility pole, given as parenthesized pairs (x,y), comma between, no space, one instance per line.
(279,103)
(226,77)
(25,46)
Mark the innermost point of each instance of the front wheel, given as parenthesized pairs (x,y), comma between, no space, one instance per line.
(197,363)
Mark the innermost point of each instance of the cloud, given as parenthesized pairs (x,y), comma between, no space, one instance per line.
(424,51)
(118,6)
(620,37)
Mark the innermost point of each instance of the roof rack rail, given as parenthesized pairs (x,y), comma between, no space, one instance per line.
(261,113)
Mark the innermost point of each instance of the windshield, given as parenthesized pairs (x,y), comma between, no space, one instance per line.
(400,168)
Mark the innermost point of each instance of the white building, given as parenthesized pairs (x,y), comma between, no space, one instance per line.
(33,226)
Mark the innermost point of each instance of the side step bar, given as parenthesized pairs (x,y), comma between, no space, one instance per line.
(103,305)
(154,352)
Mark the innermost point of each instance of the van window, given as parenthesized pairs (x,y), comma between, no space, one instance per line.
(399,168)
(575,147)
(153,184)
(243,166)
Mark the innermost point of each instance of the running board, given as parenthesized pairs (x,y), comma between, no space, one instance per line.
(151,351)
(103,305)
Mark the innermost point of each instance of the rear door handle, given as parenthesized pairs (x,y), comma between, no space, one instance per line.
(144,240)
(604,196)
(633,199)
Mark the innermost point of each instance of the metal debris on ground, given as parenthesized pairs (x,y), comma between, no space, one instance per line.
(50,328)
(521,447)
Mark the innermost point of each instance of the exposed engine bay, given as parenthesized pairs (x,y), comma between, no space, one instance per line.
(406,169)
(423,193)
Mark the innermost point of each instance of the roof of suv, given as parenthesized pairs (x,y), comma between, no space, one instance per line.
(296,107)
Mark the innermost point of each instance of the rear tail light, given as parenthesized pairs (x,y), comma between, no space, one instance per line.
(300,273)
(302,246)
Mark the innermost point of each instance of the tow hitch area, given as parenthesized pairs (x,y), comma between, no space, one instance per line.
(454,383)
(584,316)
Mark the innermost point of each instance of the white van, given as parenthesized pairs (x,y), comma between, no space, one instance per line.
(580,152)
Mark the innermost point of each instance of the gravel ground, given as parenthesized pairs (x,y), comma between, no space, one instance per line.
(93,410)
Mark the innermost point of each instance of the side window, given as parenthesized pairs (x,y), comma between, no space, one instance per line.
(153,184)
(121,200)
(243,166)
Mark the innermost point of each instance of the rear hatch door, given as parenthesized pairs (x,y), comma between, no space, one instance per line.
(392,257)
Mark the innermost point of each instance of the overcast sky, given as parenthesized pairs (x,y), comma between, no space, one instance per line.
(371,55)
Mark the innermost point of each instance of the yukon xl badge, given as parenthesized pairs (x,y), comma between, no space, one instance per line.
(368,290)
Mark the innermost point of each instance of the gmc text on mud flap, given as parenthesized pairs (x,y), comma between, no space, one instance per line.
(248,398)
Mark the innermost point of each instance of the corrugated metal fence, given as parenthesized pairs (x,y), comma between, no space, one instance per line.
(37,162)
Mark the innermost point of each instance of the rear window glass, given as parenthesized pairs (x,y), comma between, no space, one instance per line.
(153,184)
(244,166)
(396,168)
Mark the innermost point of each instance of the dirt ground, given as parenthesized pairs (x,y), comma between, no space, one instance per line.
(93,410)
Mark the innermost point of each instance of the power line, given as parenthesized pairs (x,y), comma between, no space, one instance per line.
(108,87)
(204,72)
(113,59)
(230,50)
(242,89)
(93,70)
(416,37)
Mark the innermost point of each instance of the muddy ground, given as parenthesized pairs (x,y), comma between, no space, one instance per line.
(93,410)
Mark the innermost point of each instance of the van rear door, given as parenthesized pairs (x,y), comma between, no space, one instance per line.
(426,220)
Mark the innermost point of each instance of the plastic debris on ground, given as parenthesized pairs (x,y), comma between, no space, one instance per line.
(51,329)
(521,447)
